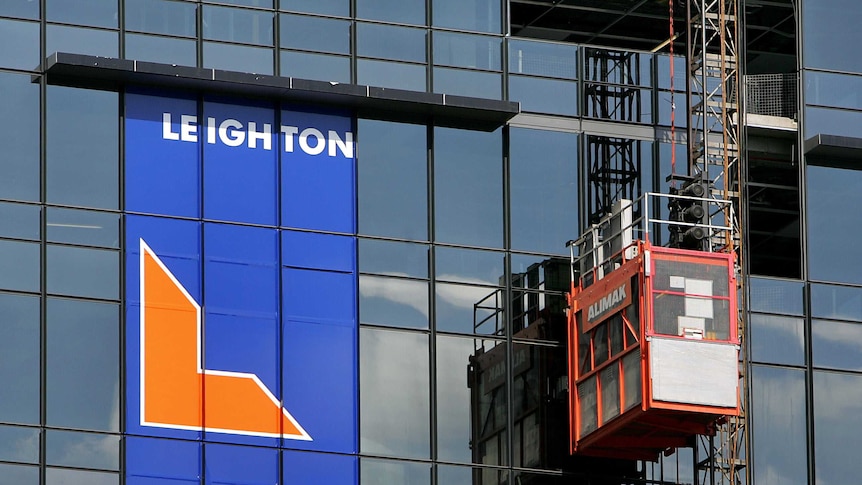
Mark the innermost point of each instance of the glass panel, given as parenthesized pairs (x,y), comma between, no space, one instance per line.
(237,25)
(238,58)
(83,393)
(778,426)
(471,405)
(25,37)
(544,95)
(833,89)
(98,13)
(831,121)
(543,59)
(319,67)
(836,345)
(385,472)
(470,309)
(544,189)
(83,227)
(315,34)
(59,476)
(161,17)
(832,251)
(19,137)
(83,272)
(777,340)
(393,258)
(395,365)
(311,468)
(19,444)
(830,26)
(61,38)
(240,464)
(19,265)
(19,475)
(20,221)
(468,183)
(82,152)
(468,83)
(469,266)
(480,15)
(391,75)
(83,450)
(26,9)
(249,3)
(390,42)
(837,418)
(776,296)
(166,50)
(839,302)
(401,11)
(465,50)
(393,301)
(393,166)
(325,7)
(19,374)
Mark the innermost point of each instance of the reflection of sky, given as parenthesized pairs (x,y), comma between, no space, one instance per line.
(833,256)
(75,477)
(837,424)
(778,426)
(777,340)
(86,450)
(836,344)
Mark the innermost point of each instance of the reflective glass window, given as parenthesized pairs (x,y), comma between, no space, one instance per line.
(390,42)
(468,183)
(465,50)
(461,82)
(320,67)
(25,37)
(238,58)
(97,13)
(832,251)
(830,26)
(471,398)
(395,365)
(778,426)
(83,272)
(396,302)
(401,11)
(166,50)
(177,461)
(837,419)
(393,258)
(83,393)
(663,71)
(304,467)
(833,89)
(831,121)
(543,59)
(836,345)
(82,152)
(25,9)
(395,75)
(248,3)
(479,15)
(19,374)
(469,309)
(838,302)
(19,475)
(19,137)
(62,476)
(19,265)
(324,7)
(20,444)
(240,464)
(315,34)
(776,296)
(544,189)
(469,266)
(79,40)
(551,96)
(82,450)
(237,25)
(393,167)
(20,221)
(776,339)
(384,472)
(89,228)
(168,17)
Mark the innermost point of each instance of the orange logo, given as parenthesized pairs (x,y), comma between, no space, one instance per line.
(176,391)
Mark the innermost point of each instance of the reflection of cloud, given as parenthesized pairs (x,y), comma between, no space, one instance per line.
(25,449)
(405,292)
(78,477)
(464,296)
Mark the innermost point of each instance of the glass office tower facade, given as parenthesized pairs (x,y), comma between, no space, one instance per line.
(396,284)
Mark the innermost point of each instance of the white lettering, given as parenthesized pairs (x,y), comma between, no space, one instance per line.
(167,134)
(608,302)
(289,131)
(211,130)
(346,145)
(318,148)
(234,138)
(254,135)
(188,128)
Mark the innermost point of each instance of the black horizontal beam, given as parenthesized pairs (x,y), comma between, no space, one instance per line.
(367,101)
(834,148)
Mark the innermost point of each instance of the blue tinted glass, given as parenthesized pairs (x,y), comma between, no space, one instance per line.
(480,15)
(83,393)
(320,67)
(25,37)
(832,89)
(240,163)
(77,40)
(325,7)
(464,50)
(830,26)
(161,17)
(839,302)
(307,295)
(394,302)
(776,296)
(83,272)
(238,58)
(468,83)
(389,471)
(391,75)
(469,309)
(835,345)
(165,50)
(777,340)
(19,137)
(162,175)
(82,154)
(250,3)
(389,42)
(830,121)
(60,476)
(468,266)
(779,437)
(237,25)
(98,13)
(468,183)
(401,11)
(393,258)
(544,95)
(240,464)
(148,459)
(19,475)
(27,9)
(393,167)
(543,59)
(19,265)
(837,411)
(315,34)
(83,450)
(19,444)
(19,345)
(311,468)
(832,254)
(20,221)
(311,250)
(83,227)
(544,189)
